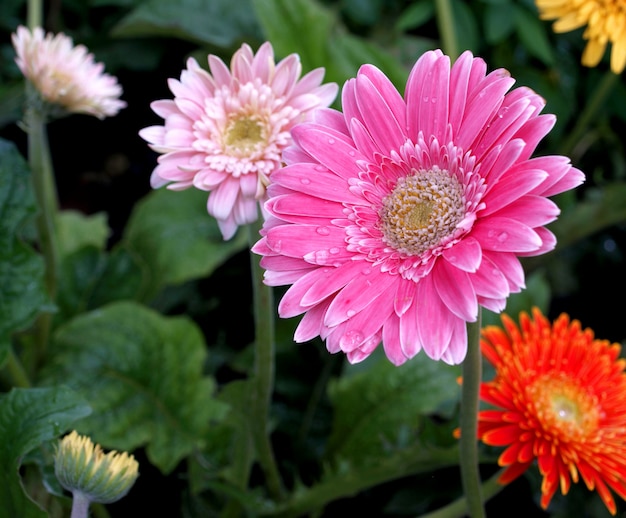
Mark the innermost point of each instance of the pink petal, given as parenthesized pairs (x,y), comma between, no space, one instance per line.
(434,319)
(455,290)
(305,209)
(378,117)
(505,235)
(510,187)
(299,240)
(330,281)
(312,323)
(465,255)
(410,342)
(356,295)
(510,266)
(428,100)
(315,180)
(391,341)
(489,281)
(388,92)
(330,148)
(222,199)
(534,211)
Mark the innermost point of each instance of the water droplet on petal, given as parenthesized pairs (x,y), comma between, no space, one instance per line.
(305,181)
(331,141)
(322,231)
(352,153)
(350,340)
(334,250)
(425,99)
(433,100)
(277,246)
(321,257)
(350,313)
(502,237)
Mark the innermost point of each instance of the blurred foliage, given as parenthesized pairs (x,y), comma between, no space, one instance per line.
(153,318)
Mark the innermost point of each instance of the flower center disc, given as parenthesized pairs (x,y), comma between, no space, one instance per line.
(243,135)
(422,210)
(564,407)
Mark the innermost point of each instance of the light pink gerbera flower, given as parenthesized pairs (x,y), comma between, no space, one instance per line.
(66,75)
(225,131)
(397,219)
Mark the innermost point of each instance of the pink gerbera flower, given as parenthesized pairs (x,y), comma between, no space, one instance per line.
(397,219)
(66,75)
(225,131)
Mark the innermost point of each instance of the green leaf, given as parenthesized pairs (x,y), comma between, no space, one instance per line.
(602,208)
(76,230)
(287,24)
(468,34)
(498,22)
(22,293)
(174,236)
(142,373)
(532,33)
(415,15)
(214,22)
(91,278)
(351,52)
(378,410)
(28,418)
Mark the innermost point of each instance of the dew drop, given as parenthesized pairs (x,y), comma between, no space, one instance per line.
(425,98)
(331,141)
(321,256)
(277,246)
(334,250)
(350,340)
(322,231)
(502,237)
(305,181)
(352,153)
(433,100)
(350,313)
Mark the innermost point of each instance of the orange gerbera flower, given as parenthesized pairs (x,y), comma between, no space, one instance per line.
(605,22)
(562,401)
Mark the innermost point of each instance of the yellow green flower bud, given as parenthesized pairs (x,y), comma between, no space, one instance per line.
(82,467)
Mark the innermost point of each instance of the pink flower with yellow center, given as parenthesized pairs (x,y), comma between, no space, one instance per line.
(225,131)
(560,399)
(66,75)
(604,22)
(396,219)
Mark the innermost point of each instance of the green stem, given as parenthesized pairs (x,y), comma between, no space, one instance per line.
(458,508)
(47,202)
(263,369)
(17,373)
(447,31)
(34,13)
(80,505)
(599,96)
(468,444)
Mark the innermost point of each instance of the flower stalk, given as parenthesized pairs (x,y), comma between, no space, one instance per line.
(263,369)
(468,443)
(44,186)
(445,22)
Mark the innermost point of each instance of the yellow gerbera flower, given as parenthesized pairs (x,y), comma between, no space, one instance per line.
(605,21)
